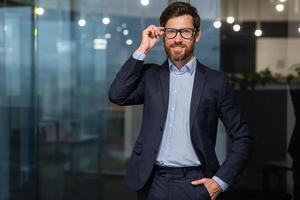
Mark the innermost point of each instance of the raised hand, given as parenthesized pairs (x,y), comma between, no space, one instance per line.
(150,37)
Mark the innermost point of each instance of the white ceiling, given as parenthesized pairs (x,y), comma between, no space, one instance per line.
(245,10)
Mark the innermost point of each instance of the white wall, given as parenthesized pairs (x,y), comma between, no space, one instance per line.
(280,55)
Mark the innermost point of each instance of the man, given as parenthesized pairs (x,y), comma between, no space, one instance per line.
(174,156)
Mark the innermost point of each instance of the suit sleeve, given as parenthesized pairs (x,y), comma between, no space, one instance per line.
(238,131)
(128,86)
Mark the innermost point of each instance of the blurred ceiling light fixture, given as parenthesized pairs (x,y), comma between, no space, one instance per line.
(217,24)
(125,32)
(236,27)
(299,29)
(119,29)
(39,11)
(258,32)
(281,1)
(105,20)
(81,22)
(230,20)
(280,7)
(145,2)
(107,36)
(129,42)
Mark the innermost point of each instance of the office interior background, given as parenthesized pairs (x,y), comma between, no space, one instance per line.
(60,137)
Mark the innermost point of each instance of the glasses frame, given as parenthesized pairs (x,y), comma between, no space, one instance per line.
(180,31)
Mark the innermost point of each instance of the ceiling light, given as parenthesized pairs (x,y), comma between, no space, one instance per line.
(145,2)
(258,32)
(236,27)
(279,7)
(230,20)
(81,22)
(217,24)
(107,36)
(129,42)
(282,1)
(106,20)
(39,11)
(119,29)
(125,32)
(299,29)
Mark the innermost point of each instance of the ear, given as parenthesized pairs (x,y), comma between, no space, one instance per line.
(198,36)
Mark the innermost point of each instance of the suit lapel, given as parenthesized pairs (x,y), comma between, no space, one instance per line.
(199,82)
(164,75)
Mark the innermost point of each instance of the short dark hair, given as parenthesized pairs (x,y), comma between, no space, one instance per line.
(178,9)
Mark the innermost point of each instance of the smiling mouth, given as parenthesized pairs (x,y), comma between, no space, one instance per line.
(177,49)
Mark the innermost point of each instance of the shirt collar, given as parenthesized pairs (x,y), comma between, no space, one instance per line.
(188,67)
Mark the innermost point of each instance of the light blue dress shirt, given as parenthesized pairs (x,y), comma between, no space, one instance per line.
(176,149)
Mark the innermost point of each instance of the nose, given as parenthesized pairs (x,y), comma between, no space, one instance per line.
(178,38)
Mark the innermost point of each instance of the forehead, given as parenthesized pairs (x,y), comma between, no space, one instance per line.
(184,21)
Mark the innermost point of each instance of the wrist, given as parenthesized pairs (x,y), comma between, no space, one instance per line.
(143,50)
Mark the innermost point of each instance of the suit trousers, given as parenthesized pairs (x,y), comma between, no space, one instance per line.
(174,183)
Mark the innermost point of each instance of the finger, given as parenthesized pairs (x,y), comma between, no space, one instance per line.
(147,32)
(155,30)
(152,33)
(198,182)
(148,28)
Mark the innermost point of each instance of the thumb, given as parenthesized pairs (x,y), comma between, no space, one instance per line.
(198,182)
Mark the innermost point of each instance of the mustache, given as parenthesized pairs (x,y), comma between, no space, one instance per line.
(177,45)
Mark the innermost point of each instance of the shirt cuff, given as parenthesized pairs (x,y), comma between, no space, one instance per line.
(139,55)
(222,184)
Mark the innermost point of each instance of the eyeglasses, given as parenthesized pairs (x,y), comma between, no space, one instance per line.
(186,33)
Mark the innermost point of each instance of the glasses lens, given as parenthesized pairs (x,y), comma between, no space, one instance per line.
(170,33)
(186,33)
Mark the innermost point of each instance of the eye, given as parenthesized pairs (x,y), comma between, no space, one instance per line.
(171,31)
(185,30)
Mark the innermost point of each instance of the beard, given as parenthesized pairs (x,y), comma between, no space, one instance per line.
(182,53)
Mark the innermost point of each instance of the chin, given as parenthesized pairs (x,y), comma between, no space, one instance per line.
(177,58)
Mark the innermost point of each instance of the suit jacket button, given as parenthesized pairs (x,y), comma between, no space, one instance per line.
(161,127)
(155,151)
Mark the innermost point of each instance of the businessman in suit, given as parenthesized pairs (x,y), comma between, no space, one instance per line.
(174,156)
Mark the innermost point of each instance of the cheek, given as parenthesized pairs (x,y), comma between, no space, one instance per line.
(167,43)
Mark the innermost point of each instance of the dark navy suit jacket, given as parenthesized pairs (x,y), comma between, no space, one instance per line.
(212,98)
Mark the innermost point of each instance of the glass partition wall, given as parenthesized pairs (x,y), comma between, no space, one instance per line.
(60,137)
